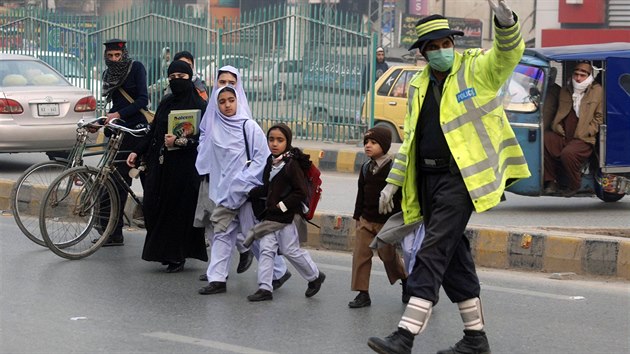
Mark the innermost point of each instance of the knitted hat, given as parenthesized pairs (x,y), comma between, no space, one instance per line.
(381,135)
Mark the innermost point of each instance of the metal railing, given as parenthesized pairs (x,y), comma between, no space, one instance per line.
(301,65)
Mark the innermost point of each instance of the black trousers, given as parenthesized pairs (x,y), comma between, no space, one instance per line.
(444,258)
(129,142)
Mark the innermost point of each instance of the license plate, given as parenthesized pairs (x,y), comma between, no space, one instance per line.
(48,109)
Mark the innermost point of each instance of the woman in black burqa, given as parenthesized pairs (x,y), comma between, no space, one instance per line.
(172,183)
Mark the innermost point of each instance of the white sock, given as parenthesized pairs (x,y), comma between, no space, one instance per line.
(472,314)
(416,315)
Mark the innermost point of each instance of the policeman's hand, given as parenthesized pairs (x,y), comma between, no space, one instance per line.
(386,201)
(504,14)
(112,116)
(131,160)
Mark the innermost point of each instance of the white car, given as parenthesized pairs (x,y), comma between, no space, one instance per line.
(275,78)
(39,108)
(241,62)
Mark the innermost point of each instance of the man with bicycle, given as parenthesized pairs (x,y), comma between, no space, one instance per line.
(125,86)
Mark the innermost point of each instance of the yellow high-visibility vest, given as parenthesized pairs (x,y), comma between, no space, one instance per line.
(475,126)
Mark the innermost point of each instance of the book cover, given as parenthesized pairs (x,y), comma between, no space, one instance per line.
(183,123)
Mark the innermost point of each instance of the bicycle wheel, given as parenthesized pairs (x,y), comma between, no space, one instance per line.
(27,194)
(78,213)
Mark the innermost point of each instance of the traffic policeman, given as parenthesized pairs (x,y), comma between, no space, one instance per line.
(458,155)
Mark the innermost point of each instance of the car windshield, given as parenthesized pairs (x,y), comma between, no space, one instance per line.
(28,73)
(68,66)
(522,92)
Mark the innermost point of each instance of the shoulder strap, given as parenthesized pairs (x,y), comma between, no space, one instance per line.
(249,158)
(126,95)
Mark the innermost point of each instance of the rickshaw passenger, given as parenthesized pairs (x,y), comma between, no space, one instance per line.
(550,106)
(574,129)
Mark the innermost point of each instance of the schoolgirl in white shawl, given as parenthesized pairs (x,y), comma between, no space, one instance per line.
(223,159)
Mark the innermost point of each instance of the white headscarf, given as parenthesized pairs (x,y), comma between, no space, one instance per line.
(204,149)
(578,92)
(230,177)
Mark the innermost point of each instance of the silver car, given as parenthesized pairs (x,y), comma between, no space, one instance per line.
(39,108)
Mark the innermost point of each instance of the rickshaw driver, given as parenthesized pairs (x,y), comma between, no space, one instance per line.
(574,129)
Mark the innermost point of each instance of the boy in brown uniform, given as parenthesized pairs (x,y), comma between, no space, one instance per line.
(377,142)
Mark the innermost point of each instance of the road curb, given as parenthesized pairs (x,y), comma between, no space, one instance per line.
(551,251)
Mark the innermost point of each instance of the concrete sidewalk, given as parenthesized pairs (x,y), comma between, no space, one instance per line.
(535,249)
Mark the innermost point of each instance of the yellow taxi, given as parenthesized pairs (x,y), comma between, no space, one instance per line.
(390,99)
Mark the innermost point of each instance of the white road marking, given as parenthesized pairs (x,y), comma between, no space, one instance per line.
(204,343)
(483,286)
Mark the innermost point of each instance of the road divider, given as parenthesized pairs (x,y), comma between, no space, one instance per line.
(532,249)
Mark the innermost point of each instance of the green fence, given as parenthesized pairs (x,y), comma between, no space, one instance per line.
(301,65)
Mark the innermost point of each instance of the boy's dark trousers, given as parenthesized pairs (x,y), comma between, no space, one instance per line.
(362,257)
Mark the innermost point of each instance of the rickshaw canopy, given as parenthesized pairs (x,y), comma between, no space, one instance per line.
(601,51)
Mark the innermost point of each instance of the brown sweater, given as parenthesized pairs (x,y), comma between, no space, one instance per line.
(369,192)
(288,187)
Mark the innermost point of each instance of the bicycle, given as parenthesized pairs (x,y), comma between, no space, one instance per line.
(80,209)
(30,187)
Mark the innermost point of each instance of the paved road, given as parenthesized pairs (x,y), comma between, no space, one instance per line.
(340,192)
(113,302)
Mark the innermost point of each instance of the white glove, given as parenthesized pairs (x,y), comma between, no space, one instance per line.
(504,15)
(386,201)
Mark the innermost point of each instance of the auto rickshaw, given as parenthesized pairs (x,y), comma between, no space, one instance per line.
(607,173)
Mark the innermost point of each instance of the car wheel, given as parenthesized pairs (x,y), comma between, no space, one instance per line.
(392,130)
(280,91)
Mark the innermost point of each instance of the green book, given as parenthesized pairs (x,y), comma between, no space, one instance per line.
(183,123)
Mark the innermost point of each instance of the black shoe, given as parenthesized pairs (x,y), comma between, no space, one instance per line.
(474,342)
(245,261)
(551,188)
(215,287)
(568,193)
(362,300)
(261,295)
(175,267)
(279,282)
(315,285)
(399,342)
(112,241)
(405,294)
(203,277)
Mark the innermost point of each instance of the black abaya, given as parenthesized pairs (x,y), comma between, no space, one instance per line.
(171,189)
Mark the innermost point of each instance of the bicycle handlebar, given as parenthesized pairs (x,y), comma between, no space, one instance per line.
(93,123)
(135,132)
(82,123)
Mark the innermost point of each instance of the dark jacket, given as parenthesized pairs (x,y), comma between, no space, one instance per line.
(136,86)
(288,187)
(369,192)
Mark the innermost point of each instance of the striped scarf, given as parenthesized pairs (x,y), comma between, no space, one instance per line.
(116,73)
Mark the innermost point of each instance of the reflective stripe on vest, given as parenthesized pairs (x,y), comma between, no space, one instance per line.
(474,115)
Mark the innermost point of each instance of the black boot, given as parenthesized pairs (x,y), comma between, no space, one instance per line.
(362,300)
(474,342)
(245,261)
(405,294)
(399,342)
